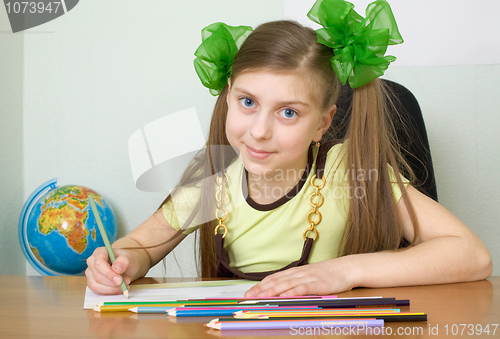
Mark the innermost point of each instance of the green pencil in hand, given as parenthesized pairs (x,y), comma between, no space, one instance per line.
(106,240)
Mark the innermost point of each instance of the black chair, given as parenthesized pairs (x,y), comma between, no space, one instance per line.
(415,145)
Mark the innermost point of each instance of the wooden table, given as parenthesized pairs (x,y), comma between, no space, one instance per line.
(52,307)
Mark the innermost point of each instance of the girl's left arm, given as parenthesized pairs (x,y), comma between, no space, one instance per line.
(445,251)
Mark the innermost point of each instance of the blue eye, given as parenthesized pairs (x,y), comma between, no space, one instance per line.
(288,113)
(247,102)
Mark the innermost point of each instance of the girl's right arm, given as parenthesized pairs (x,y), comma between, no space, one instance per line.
(104,278)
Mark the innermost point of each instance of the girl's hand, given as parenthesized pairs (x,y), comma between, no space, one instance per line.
(322,278)
(103,278)
(133,263)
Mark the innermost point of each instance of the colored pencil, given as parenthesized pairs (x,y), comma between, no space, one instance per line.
(284,324)
(305,299)
(308,297)
(379,302)
(105,239)
(303,309)
(257,314)
(149,309)
(396,317)
(212,312)
(280,299)
(126,308)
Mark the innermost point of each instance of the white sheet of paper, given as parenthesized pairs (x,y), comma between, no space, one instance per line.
(174,291)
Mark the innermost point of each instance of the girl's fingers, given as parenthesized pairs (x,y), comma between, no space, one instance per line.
(275,284)
(304,280)
(103,278)
(99,288)
(121,264)
(100,267)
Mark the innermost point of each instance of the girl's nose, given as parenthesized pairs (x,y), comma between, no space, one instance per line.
(261,127)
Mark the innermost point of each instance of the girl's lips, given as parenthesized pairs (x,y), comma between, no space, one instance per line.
(257,154)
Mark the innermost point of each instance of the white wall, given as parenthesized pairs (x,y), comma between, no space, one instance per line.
(91,78)
(11,146)
(460,107)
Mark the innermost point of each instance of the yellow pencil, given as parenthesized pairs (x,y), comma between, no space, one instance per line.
(106,240)
(128,306)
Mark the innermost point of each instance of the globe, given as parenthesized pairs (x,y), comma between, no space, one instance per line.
(57,228)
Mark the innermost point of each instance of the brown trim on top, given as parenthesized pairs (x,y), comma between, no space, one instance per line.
(224,270)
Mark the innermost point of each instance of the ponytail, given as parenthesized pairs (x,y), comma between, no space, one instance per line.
(207,255)
(373,223)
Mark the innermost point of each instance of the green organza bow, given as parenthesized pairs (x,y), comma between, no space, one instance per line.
(214,57)
(358,43)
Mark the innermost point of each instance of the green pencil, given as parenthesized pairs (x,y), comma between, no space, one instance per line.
(106,240)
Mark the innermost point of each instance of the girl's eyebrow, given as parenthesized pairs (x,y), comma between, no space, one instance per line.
(281,103)
(291,103)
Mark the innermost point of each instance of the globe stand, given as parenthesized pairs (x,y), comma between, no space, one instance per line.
(23,225)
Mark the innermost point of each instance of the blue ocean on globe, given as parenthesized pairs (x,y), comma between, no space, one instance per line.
(57,228)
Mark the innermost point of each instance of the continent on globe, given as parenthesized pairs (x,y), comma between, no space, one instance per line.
(64,210)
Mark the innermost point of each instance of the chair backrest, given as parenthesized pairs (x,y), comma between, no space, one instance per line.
(413,139)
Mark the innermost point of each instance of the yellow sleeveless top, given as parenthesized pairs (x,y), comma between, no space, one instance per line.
(268,237)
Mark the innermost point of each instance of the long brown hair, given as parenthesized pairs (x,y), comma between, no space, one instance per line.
(287,46)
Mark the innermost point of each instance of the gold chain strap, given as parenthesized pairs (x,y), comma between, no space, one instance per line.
(315,206)
(221,198)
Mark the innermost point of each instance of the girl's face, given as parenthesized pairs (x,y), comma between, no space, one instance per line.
(272,120)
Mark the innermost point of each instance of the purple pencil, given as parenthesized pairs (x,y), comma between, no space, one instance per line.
(305,297)
(359,324)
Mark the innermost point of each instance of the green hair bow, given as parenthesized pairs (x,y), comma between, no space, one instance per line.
(215,56)
(359,44)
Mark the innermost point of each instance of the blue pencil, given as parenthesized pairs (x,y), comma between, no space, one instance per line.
(220,312)
(149,309)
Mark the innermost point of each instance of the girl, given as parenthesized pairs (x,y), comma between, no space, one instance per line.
(303,212)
